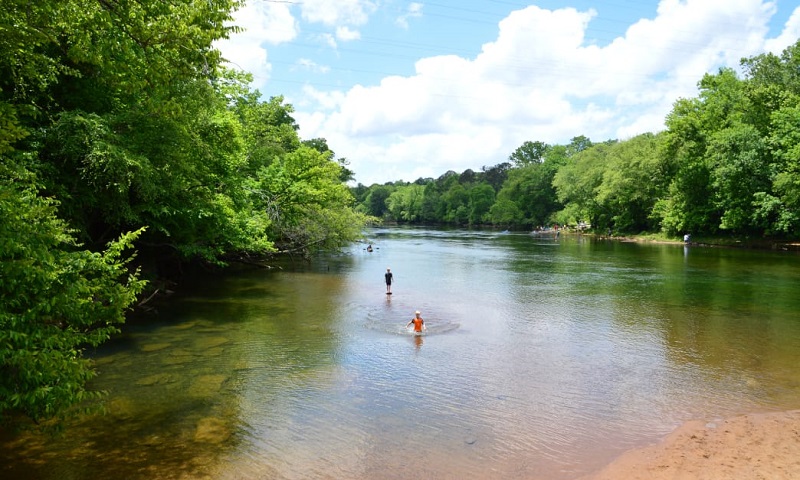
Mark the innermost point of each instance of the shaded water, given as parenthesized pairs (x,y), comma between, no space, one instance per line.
(544,358)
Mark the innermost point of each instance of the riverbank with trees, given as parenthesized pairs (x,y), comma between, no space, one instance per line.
(122,131)
(727,166)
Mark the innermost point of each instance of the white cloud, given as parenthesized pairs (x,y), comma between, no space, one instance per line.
(327,39)
(414,10)
(790,34)
(347,34)
(262,23)
(337,12)
(325,100)
(311,66)
(538,80)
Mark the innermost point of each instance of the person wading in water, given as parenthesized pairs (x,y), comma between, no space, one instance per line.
(389,277)
(419,323)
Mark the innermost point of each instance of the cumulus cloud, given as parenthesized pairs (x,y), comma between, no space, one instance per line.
(539,80)
(789,35)
(262,23)
(414,10)
(346,34)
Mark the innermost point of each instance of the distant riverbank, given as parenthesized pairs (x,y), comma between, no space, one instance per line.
(730,242)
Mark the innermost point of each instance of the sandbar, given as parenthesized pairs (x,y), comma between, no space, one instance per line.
(747,447)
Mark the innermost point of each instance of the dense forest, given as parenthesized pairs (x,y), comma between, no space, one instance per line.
(127,145)
(728,163)
(121,131)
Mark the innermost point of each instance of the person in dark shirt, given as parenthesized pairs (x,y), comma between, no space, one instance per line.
(389,277)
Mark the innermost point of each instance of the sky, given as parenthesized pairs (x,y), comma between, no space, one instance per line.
(406,90)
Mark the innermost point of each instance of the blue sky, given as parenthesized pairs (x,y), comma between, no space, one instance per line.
(405,90)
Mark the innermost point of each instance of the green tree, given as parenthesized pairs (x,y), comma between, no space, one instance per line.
(456,201)
(505,212)
(55,301)
(577,183)
(779,211)
(481,199)
(406,203)
(529,153)
(307,203)
(633,180)
(376,200)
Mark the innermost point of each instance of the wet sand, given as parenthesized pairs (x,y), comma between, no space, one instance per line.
(749,447)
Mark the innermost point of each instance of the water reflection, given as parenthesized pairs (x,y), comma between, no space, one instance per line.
(418,341)
(542,359)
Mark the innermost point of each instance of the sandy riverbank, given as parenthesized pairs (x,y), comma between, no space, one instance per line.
(749,447)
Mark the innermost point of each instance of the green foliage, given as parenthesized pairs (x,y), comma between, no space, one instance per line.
(633,180)
(578,181)
(406,203)
(55,300)
(122,113)
(528,153)
(481,199)
(307,203)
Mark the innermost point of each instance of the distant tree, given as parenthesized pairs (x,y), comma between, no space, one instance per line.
(456,201)
(496,175)
(529,153)
(578,144)
(467,176)
(481,199)
(376,200)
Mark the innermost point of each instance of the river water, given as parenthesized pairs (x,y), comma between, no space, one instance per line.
(544,358)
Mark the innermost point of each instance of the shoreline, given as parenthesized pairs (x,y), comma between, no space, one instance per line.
(746,447)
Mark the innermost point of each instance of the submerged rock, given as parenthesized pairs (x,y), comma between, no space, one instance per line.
(210,342)
(154,347)
(212,430)
(157,379)
(121,408)
(206,385)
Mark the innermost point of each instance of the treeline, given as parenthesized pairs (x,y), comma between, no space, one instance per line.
(120,128)
(727,163)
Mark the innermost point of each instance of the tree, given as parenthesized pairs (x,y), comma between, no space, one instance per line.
(481,199)
(307,203)
(779,211)
(376,200)
(496,175)
(456,201)
(55,300)
(529,153)
(633,180)
(577,182)
(406,203)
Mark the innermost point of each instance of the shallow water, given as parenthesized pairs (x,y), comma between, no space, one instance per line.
(544,358)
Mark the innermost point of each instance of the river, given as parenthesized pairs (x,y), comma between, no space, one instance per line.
(544,359)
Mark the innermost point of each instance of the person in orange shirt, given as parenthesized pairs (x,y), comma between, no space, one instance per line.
(419,323)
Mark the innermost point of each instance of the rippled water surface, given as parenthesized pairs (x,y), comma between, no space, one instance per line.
(544,358)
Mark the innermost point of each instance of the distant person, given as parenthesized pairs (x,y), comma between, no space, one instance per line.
(369,247)
(389,277)
(418,322)
(687,238)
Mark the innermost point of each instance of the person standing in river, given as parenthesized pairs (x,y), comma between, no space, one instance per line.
(419,323)
(389,277)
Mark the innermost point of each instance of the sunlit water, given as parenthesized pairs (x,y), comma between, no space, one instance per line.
(544,358)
